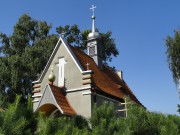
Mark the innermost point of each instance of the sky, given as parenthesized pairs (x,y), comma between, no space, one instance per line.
(139,28)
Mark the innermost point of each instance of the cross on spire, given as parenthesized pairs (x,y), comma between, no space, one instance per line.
(93,9)
(93,18)
(87,66)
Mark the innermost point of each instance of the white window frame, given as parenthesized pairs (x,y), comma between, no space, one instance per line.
(61,72)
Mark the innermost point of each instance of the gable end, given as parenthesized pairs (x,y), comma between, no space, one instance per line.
(60,41)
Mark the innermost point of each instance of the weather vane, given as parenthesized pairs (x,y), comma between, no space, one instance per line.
(93,9)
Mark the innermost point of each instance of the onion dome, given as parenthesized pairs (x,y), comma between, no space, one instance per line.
(52,77)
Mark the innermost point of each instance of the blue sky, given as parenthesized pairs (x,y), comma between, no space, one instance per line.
(139,28)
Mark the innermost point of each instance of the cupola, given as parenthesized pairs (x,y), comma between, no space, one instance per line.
(94,48)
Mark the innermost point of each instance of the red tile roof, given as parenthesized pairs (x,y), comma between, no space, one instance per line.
(61,100)
(105,80)
(124,87)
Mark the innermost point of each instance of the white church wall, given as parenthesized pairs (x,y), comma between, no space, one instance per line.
(80,102)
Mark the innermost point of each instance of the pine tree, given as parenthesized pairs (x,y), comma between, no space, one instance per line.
(17,119)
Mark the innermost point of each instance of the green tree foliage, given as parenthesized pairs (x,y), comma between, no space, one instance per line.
(17,119)
(105,121)
(173,55)
(25,53)
(62,126)
(141,121)
(78,38)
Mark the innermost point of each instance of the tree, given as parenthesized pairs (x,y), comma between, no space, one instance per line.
(27,51)
(18,119)
(173,56)
(23,56)
(77,38)
(62,125)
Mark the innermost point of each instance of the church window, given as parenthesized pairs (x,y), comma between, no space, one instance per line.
(92,50)
(61,72)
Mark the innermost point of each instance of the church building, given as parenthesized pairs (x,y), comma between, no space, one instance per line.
(73,81)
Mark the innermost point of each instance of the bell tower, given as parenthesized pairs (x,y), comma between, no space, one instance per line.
(94,48)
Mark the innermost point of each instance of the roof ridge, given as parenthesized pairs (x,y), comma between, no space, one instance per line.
(79,51)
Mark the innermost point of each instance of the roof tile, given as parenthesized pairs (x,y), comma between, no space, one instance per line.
(106,80)
(61,100)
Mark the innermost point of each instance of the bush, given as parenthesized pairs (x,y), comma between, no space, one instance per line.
(19,119)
